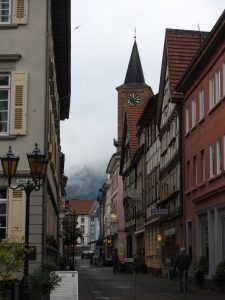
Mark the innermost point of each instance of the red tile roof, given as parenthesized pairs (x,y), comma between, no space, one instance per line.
(82,207)
(133,114)
(182,46)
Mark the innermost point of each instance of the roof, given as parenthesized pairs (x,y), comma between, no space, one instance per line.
(182,46)
(61,32)
(134,71)
(133,114)
(130,129)
(134,76)
(211,44)
(149,112)
(81,207)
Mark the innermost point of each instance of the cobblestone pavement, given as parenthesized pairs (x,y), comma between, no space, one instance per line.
(99,283)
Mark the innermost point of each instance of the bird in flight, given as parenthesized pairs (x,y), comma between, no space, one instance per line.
(76,27)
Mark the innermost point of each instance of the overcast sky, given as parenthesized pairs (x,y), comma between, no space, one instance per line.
(101,49)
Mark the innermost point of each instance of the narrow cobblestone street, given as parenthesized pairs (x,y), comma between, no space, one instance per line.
(97,282)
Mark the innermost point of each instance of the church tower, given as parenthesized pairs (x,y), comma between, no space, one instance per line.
(134,92)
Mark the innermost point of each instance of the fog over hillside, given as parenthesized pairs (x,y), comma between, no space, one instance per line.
(85,182)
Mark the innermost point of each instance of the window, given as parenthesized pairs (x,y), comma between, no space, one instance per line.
(223,236)
(188,174)
(3,213)
(194,171)
(223,79)
(211,93)
(193,110)
(203,222)
(201,105)
(5,11)
(218,156)
(82,227)
(217,86)
(187,120)
(224,151)
(13,103)
(212,160)
(4,103)
(14,12)
(202,165)
(82,220)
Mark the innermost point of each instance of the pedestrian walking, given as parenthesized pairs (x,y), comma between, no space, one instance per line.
(182,263)
(115,260)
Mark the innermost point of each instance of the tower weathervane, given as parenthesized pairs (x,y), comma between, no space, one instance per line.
(135,33)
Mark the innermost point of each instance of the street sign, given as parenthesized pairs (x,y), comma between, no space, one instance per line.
(160,211)
(68,286)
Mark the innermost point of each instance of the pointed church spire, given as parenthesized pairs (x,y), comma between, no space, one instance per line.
(134,71)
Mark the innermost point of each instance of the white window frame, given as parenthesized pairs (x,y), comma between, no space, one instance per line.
(195,170)
(4,201)
(224,152)
(9,11)
(211,93)
(224,79)
(202,158)
(218,156)
(193,113)
(201,104)
(212,160)
(187,120)
(7,88)
(217,87)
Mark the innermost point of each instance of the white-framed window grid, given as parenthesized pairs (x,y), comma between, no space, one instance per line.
(201,105)
(5,11)
(211,93)
(193,113)
(195,171)
(217,87)
(224,151)
(219,156)
(202,162)
(212,159)
(187,120)
(4,103)
(3,213)
(223,79)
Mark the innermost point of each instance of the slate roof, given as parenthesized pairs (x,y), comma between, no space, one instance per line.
(81,207)
(134,70)
(182,46)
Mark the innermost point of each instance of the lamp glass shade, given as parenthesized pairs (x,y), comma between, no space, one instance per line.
(9,163)
(38,163)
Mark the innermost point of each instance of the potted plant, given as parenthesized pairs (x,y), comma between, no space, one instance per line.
(219,277)
(43,281)
(200,270)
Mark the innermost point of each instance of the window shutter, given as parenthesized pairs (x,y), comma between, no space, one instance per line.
(16,214)
(18,118)
(20,12)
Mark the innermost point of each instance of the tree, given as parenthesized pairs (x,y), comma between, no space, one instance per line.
(71,233)
(12,255)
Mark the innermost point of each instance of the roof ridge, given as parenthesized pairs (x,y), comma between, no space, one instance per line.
(185,31)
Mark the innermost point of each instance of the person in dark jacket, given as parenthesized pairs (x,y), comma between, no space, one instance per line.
(182,263)
(115,260)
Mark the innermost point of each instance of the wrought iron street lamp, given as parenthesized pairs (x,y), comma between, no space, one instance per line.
(38,166)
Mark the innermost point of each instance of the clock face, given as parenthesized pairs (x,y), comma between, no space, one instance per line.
(133,99)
